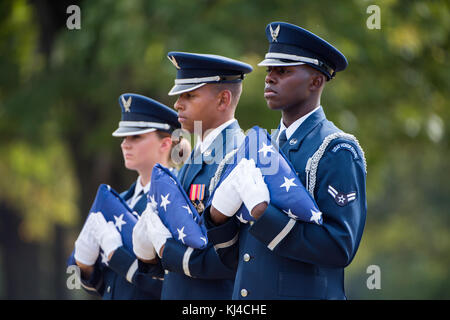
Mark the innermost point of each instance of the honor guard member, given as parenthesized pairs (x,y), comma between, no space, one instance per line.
(208,89)
(146,128)
(300,260)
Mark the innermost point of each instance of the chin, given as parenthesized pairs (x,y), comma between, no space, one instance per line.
(129,165)
(190,129)
(274,106)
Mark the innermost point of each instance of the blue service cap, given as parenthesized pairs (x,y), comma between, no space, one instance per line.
(195,70)
(291,45)
(141,114)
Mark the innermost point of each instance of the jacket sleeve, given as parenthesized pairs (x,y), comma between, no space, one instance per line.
(144,275)
(213,262)
(94,284)
(225,238)
(340,194)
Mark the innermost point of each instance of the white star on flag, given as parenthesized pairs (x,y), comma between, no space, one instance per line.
(165,201)
(173,180)
(119,222)
(153,201)
(266,149)
(104,258)
(316,216)
(288,183)
(241,218)
(290,214)
(204,239)
(188,209)
(181,234)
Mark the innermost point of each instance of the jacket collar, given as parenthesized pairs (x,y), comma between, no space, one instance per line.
(126,195)
(220,144)
(302,131)
(140,206)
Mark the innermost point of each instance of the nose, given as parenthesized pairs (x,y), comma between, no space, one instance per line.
(178,105)
(125,143)
(270,77)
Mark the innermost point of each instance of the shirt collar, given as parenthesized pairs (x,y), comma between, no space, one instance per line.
(203,145)
(294,126)
(138,188)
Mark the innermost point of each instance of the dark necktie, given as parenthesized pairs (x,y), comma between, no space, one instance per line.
(282,138)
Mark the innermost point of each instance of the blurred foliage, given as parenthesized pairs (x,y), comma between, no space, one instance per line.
(41,185)
(57,111)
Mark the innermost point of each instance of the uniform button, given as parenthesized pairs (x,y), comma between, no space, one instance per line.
(251,222)
(246,257)
(108,289)
(244,292)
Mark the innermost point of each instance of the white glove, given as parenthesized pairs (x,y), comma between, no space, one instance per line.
(86,245)
(226,199)
(107,235)
(157,231)
(250,185)
(142,243)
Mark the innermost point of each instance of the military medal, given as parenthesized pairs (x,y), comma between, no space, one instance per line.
(197,192)
(200,207)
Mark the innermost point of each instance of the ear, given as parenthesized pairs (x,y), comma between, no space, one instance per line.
(225,97)
(166,144)
(317,81)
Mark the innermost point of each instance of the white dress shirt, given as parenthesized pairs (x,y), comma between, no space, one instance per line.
(137,192)
(294,126)
(203,145)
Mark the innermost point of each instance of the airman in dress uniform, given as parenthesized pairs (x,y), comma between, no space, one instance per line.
(146,128)
(299,260)
(208,89)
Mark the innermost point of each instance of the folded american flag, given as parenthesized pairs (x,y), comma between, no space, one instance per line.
(115,209)
(286,190)
(175,209)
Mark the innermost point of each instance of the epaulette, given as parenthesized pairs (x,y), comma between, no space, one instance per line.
(313,162)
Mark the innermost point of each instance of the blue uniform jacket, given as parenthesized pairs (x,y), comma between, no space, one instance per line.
(126,278)
(192,273)
(280,258)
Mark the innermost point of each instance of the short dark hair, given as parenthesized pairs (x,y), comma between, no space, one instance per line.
(234,87)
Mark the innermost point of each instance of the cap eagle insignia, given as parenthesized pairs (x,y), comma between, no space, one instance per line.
(126,104)
(275,33)
(174,62)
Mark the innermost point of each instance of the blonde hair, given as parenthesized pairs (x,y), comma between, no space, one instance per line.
(179,151)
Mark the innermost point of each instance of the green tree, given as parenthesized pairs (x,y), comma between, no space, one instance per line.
(58,107)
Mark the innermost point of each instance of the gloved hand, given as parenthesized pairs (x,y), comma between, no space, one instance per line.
(86,245)
(142,243)
(107,235)
(157,231)
(250,185)
(226,199)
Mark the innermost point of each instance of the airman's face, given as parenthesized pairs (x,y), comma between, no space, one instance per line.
(197,105)
(286,86)
(142,151)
